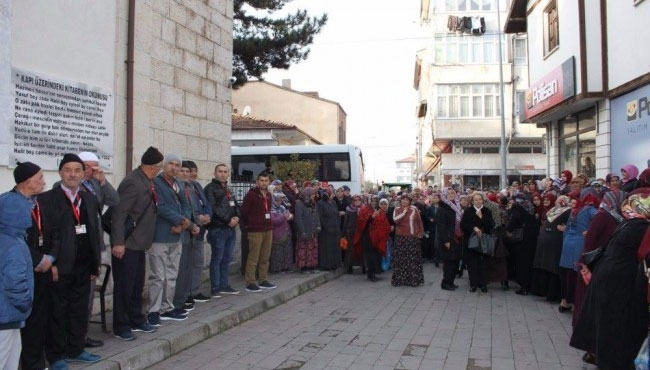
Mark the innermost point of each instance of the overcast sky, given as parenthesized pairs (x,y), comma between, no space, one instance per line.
(364,58)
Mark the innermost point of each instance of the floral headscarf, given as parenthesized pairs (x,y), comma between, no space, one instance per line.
(587,196)
(562,204)
(611,203)
(636,206)
(278,208)
(305,196)
(521,199)
(455,206)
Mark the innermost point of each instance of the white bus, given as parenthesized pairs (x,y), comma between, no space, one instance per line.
(339,164)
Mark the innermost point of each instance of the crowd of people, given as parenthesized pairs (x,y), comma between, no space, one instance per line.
(579,244)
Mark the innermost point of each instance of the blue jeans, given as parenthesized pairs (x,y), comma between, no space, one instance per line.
(222,243)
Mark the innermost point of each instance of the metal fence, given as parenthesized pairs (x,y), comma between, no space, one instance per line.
(240,189)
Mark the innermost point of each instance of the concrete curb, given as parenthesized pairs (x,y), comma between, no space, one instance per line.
(162,348)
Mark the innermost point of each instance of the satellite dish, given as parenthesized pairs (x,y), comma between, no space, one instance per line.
(247,111)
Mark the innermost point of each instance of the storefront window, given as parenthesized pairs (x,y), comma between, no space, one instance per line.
(578,143)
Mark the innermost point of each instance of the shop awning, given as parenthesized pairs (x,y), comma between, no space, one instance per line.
(490,164)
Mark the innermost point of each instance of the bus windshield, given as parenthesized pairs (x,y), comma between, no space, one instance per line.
(332,166)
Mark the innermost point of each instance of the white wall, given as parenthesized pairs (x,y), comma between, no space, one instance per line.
(569,40)
(6,95)
(68,39)
(627,50)
(593,46)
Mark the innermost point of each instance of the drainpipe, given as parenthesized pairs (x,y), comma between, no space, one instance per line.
(130,52)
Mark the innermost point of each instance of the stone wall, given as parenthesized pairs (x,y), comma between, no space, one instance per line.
(183,63)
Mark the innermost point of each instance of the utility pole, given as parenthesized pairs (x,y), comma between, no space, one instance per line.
(502,150)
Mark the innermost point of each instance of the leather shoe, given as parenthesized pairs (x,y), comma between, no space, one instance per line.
(447,287)
(92,343)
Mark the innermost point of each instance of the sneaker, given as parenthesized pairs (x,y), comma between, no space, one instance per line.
(153,318)
(182,311)
(85,357)
(190,300)
(215,294)
(200,298)
(126,335)
(188,307)
(174,315)
(59,365)
(145,328)
(266,285)
(228,290)
(253,288)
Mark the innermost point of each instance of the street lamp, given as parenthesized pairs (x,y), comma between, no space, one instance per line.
(504,162)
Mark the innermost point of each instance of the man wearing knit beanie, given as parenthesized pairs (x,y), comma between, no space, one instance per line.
(132,230)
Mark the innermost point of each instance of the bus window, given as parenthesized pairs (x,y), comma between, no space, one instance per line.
(246,167)
(335,167)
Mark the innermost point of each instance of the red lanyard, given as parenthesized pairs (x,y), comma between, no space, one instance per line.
(170,183)
(187,192)
(266,204)
(154,195)
(36,214)
(75,208)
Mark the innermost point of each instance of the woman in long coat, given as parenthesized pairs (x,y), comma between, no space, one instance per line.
(329,249)
(614,318)
(307,224)
(574,237)
(523,221)
(497,265)
(349,228)
(549,248)
(364,237)
(282,247)
(407,255)
(447,243)
(476,219)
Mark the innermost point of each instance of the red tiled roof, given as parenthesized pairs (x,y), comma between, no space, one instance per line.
(409,159)
(240,122)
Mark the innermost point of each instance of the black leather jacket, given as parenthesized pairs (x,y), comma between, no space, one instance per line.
(220,199)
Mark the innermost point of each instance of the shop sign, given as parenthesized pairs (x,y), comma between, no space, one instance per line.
(550,91)
(630,129)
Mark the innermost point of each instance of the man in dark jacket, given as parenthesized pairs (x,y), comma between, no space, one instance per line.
(198,250)
(76,251)
(256,218)
(29,182)
(450,250)
(221,230)
(137,209)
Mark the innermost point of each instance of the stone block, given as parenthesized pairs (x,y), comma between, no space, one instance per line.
(221,321)
(224,94)
(160,6)
(187,81)
(156,24)
(218,5)
(216,73)
(171,98)
(154,93)
(195,105)
(143,38)
(105,365)
(161,50)
(199,7)
(213,32)
(210,129)
(162,72)
(196,22)
(178,13)
(197,148)
(227,114)
(221,20)
(168,30)
(222,56)
(141,87)
(214,150)
(215,110)
(193,63)
(162,118)
(186,336)
(226,39)
(204,47)
(144,355)
(174,143)
(208,89)
(143,13)
(185,39)
(142,62)
(230,9)
(187,125)
(158,139)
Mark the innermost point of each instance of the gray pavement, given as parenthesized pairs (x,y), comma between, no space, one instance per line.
(351,323)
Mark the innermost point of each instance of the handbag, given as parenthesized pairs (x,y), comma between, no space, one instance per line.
(516,235)
(129,223)
(488,243)
(474,242)
(590,258)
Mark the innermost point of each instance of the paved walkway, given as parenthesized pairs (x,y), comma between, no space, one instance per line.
(350,323)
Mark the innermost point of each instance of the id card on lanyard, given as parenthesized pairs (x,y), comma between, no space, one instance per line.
(76,211)
(231,202)
(36,215)
(267,215)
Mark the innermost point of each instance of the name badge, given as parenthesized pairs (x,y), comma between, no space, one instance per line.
(201,202)
(80,229)
(267,216)
(40,241)
(232,203)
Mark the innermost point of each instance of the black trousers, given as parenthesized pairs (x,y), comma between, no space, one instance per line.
(449,271)
(128,282)
(68,318)
(32,356)
(476,268)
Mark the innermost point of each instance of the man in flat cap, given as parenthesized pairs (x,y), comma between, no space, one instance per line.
(72,235)
(132,231)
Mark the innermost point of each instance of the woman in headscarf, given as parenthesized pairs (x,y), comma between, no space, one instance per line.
(582,213)
(477,220)
(521,235)
(407,255)
(363,238)
(614,318)
(629,172)
(497,265)
(349,229)
(446,241)
(565,179)
(464,202)
(307,224)
(602,227)
(290,190)
(644,183)
(282,248)
(430,228)
(329,248)
(549,249)
(342,203)
(450,198)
